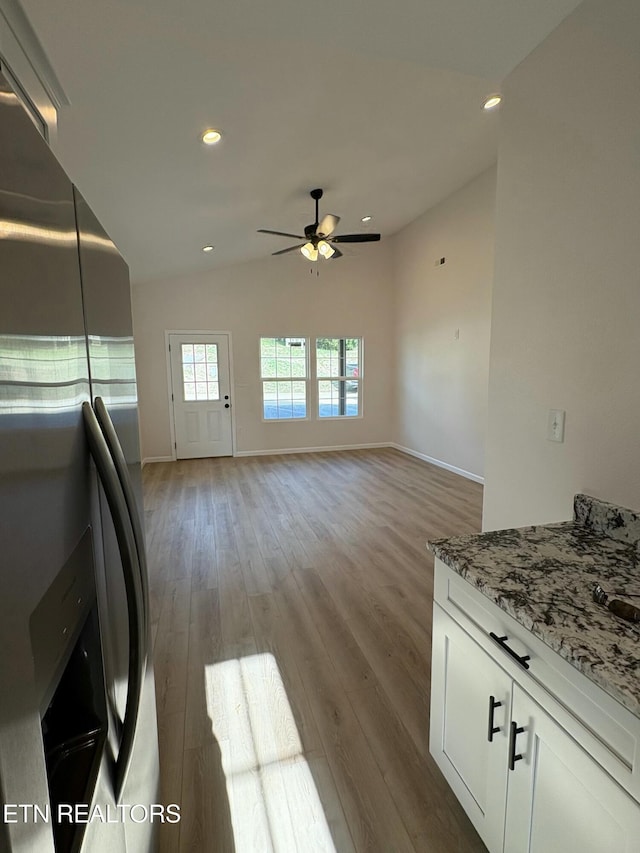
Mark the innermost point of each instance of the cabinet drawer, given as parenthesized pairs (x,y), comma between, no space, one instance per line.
(596,721)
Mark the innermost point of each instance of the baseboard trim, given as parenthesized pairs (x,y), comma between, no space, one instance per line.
(157,459)
(326,449)
(440,464)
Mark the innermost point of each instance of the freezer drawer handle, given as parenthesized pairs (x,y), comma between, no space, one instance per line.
(117,454)
(502,641)
(131,571)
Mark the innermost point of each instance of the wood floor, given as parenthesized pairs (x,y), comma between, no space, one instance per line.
(291,614)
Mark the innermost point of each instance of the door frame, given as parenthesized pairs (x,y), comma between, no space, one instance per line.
(172,424)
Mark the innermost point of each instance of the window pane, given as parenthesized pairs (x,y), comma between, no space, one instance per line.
(267,367)
(199,351)
(338,357)
(299,391)
(187,353)
(189,391)
(283,358)
(283,368)
(338,398)
(352,356)
(284,400)
(298,367)
(201,373)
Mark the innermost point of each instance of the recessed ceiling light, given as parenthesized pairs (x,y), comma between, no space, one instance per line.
(492,102)
(366,218)
(211,136)
(207,248)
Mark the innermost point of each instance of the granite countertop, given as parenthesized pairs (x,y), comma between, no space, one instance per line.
(544,576)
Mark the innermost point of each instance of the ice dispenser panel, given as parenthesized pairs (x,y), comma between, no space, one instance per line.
(65,638)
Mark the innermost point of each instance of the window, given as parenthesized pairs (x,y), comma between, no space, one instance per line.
(339,374)
(200,372)
(284,373)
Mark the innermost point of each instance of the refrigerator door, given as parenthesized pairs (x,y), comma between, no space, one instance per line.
(107,310)
(44,476)
(120,463)
(127,547)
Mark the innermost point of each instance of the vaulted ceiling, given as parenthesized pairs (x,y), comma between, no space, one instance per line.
(377,102)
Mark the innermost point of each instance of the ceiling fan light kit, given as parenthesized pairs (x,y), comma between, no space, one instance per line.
(326,249)
(318,239)
(310,252)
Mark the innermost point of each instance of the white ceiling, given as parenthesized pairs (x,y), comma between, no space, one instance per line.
(378,102)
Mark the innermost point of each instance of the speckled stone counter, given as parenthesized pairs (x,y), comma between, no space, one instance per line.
(544,575)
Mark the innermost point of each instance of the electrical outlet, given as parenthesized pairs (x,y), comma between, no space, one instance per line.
(555,425)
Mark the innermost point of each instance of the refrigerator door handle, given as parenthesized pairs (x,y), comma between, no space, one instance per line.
(128,553)
(113,442)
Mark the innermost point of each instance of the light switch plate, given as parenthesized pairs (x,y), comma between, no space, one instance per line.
(555,425)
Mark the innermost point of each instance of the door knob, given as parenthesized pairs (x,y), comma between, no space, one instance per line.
(226,405)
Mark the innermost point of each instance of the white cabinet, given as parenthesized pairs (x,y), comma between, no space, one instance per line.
(463,680)
(539,761)
(560,799)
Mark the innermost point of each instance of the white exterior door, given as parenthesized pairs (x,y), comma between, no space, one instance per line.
(201,393)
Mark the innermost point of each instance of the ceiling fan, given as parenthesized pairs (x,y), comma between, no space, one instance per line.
(317,238)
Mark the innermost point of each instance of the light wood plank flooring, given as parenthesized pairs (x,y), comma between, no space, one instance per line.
(291,614)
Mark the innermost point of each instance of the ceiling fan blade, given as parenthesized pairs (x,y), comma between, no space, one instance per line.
(328,225)
(336,254)
(290,249)
(279,233)
(355,238)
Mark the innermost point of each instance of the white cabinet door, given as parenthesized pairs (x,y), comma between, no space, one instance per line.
(559,798)
(464,680)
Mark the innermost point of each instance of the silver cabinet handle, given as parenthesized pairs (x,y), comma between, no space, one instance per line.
(111,437)
(131,571)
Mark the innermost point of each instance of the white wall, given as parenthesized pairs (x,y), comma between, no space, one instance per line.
(352,297)
(441,395)
(566,301)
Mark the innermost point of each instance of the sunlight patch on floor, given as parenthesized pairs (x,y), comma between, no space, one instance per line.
(273,799)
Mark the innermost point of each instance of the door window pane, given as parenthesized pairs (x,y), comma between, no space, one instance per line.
(200,372)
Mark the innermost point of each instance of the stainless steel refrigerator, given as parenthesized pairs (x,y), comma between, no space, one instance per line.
(78,732)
